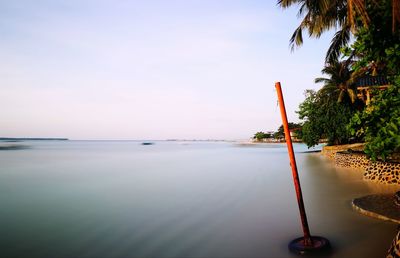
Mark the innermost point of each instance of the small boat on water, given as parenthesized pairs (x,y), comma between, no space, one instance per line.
(147,143)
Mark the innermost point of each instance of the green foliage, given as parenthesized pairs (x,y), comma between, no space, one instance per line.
(347,17)
(379,124)
(340,81)
(375,50)
(280,133)
(261,135)
(324,118)
(299,132)
(377,45)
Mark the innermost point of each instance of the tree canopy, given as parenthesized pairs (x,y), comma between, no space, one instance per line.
(261,135)
(345,16)
(324,118)
(379,124)
(280,133)
(366,44)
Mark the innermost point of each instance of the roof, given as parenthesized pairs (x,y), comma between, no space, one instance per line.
(371,81)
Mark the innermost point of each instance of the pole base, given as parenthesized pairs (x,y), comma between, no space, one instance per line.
(317,245)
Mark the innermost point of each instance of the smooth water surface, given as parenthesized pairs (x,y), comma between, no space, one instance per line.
(176,199)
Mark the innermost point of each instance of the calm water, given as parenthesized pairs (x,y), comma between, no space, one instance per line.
(172,199)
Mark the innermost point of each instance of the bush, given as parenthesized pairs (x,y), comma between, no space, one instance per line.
(324,118)
(379,123)
(259,136)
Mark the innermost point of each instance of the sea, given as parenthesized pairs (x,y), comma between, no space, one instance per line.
(177,199)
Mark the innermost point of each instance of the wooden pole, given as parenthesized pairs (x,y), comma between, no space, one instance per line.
(303,216)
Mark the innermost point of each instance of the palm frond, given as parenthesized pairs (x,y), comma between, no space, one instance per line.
(287,3)
(297,38)
(357,74)
(340,39)
(357,7)
(323,80)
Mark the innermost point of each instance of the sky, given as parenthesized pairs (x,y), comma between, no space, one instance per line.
(154,69)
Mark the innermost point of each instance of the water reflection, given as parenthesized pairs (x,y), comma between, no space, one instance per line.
(120,199)
(328,201)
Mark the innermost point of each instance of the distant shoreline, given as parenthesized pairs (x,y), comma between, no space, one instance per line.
(271,141)
(32,139)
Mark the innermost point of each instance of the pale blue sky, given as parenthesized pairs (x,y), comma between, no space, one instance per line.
(149,69)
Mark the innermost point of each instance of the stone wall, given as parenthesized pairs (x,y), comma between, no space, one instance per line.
(351,160)
(381,172)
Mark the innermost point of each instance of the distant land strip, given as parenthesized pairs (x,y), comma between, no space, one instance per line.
(32,139)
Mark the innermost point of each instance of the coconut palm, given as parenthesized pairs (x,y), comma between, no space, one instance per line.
(323,15)
(340,81)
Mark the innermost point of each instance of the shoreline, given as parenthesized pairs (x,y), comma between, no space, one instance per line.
(379,205)
(13,139)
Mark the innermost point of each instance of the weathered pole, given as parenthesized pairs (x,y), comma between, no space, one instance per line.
(295,174)
(307,243)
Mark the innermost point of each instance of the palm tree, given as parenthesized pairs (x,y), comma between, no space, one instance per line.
(340,81)
(323,15)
